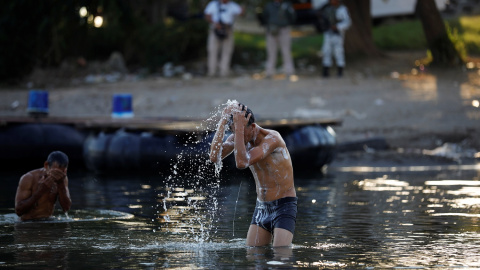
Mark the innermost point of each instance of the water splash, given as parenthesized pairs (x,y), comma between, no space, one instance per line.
(188,203)
(217,116)
(235,211)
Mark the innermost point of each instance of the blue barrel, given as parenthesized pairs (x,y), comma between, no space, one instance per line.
(38,102)
(122,106)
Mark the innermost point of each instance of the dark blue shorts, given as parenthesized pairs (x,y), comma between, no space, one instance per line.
(281,213)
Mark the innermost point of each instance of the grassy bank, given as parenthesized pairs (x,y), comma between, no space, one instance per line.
(408,35)
(397,36)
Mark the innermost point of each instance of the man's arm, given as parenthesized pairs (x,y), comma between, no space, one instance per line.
(64,194)
(208,11)
(244,159)
(345,20)
(208,18)
(218,149)
(290,13)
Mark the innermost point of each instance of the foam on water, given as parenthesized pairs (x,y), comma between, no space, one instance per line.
(76,216)
(275,263)
(9,219)
(192,246)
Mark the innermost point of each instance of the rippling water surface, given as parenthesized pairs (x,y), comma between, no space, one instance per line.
(347,219)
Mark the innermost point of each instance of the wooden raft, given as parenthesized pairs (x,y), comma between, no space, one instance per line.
(155,124)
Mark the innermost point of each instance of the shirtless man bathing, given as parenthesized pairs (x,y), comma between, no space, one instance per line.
(264,152)
(39,189)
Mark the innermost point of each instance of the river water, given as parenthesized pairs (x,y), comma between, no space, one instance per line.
(351,218)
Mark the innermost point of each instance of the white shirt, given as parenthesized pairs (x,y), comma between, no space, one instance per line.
(343,18)
(228,11)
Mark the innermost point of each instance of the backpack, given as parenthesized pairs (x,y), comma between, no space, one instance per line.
(321,21)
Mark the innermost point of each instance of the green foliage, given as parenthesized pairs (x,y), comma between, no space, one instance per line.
(100,42)
(405,35)
(45,33)
(250,41)
(457,41)
(249,49)
(14,35)
(34,33)
(171,42)
(408,35)
(307,46)
(466,30)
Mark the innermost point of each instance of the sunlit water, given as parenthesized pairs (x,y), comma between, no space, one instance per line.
(346,219)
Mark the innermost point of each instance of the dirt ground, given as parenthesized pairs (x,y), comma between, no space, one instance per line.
(385,98)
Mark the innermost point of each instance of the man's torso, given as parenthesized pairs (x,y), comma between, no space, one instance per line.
(225,13)
(274,174)
(45,205)
(278,14)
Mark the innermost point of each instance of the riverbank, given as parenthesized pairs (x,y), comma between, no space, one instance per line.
(388,98)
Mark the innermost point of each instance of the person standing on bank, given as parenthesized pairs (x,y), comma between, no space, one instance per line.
(338,19)
(39,189)
(278,16)
(265,153)
(221,16)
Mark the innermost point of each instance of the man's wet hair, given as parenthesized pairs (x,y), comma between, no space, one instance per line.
(248,111)
(58,157)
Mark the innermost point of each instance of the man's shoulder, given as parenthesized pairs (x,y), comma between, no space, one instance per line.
(210,6)
(271,133)
(342,8)
(32,174)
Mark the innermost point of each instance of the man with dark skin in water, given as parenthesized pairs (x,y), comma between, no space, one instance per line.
(39,189)
(265,153)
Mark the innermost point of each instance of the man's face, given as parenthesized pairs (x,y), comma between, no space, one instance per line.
(247,132)
(335,2)
(54,166)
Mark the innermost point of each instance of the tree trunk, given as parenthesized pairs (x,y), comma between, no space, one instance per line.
(359,37)
(442,49)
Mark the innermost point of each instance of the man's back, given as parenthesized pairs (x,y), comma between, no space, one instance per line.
(279,14)
(29,183)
